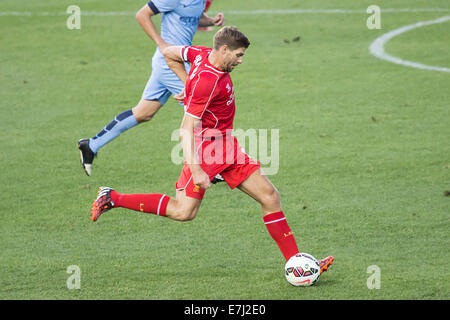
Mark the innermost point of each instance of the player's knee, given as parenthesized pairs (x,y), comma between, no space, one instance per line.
(185,214)
(144,113)
(143,117)
(271,198)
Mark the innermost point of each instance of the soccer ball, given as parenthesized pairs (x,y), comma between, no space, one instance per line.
(302,270)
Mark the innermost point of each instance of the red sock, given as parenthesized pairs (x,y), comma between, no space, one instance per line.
(155,203)
(279,230)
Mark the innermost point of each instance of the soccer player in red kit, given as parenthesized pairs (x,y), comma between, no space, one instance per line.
(208,146)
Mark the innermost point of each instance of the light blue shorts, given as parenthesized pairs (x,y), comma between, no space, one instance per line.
(162,84)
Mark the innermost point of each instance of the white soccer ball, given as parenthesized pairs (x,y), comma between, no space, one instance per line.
(302,270)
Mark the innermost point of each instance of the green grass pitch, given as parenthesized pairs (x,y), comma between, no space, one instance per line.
(364,156)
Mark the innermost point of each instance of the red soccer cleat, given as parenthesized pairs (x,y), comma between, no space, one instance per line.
(102,204)
(325,263)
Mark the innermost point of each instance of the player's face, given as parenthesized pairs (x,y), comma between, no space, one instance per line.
(233,58)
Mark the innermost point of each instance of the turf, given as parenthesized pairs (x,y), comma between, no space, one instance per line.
(363,157)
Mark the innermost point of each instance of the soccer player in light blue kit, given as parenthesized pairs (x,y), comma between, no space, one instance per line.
(179,22)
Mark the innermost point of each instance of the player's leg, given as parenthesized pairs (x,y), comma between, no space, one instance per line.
(153,98)
(155,95)
(146,109)
(182,208)
(89,147)
(259,187)
(143,111)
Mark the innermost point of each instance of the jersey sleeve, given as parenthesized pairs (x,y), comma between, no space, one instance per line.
(202,94)
(189,53)
(161,6)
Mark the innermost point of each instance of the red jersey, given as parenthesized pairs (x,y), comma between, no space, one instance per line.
(209,96)
(209,92)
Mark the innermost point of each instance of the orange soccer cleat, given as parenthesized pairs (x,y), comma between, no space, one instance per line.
(102,204)
(325,263)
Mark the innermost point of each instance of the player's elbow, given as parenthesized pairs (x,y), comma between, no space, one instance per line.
(169,60)
(169,56)
(165,52)
(142,14)
(139,15)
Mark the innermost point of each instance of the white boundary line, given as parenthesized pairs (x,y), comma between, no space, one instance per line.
(377,47)
(331,11)
(231,12)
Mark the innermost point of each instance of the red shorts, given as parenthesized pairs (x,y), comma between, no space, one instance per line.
(222,156)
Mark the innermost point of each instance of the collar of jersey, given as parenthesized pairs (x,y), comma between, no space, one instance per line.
(208,64)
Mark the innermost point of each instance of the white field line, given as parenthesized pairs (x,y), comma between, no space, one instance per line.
(377,47)
(331,11)
(232,12)
(63,13)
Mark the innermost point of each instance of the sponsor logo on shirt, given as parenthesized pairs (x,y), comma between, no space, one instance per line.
(189,21)
(197,60)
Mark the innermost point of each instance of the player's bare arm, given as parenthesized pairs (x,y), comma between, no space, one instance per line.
(144,17)
(189,151)
(206,21)
(172,54)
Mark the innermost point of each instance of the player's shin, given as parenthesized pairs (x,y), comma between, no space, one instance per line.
(281,232)
(155,203)
(122,122)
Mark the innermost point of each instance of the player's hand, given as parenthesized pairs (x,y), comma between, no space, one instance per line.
(219,19)
(201,179)
(179,97)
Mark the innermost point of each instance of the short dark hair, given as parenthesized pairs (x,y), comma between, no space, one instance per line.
(232,37)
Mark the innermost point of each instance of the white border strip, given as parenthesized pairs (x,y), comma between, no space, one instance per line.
(377,47)
(231,12)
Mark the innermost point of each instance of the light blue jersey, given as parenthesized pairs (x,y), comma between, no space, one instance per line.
(179,23)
